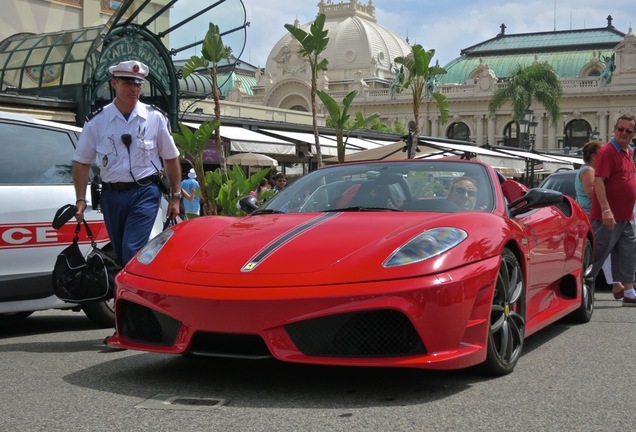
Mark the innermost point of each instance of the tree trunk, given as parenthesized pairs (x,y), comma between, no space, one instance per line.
(416,133)
(314,115)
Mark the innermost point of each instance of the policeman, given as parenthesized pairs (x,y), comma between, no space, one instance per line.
(128,138)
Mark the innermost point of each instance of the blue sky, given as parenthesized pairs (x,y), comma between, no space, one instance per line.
(446,26)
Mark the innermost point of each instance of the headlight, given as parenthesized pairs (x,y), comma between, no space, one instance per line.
(426,245)
(150,251)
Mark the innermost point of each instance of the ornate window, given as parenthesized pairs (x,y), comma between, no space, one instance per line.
(577,133)
(512,135)
(458,131)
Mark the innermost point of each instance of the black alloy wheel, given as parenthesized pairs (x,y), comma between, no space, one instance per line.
(507,318)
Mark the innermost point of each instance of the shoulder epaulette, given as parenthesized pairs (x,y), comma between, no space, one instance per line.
(160,110)
(93,114)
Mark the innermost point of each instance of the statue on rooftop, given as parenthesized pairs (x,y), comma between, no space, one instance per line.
(610,66)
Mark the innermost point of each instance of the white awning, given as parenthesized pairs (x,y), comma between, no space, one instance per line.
(328,147)
(247,141)
(550,163)
(355,143)
(461,148)
(513,158)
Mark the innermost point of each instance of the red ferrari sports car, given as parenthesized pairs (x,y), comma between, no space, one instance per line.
(416,263)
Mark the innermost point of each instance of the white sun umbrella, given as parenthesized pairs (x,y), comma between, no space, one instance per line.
(251,159)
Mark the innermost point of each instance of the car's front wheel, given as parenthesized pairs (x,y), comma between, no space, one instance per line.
(507,318)
(584,313)
(101,313)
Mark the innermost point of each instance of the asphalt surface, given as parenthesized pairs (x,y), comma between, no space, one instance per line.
(57,376)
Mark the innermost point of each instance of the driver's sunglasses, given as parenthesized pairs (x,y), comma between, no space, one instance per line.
(463,191)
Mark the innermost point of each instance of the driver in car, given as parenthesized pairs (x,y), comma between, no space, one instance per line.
(463,193)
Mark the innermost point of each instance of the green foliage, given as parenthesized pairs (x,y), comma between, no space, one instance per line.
(419,76)
(380,127)
(526,84)
(229,187)
(312,45)
(399,128)
(192,144)
(212,52)
(340,119)
(314,42)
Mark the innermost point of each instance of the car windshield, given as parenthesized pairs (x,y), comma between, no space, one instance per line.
(410,185)
(562,182)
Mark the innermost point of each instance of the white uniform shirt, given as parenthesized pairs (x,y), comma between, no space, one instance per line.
(101,140)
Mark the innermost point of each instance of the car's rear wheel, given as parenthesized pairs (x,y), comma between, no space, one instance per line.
(584,313)
(507,318)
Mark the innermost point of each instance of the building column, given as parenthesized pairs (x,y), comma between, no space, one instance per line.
(492,138)
(479,133)
(539,132)
(434,126)
(552,136)
(603,126)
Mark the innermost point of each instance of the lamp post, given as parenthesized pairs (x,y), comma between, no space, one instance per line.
(530,124)
(409,140)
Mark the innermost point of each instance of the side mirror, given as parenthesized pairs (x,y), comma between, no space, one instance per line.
(534,199)
(248,204)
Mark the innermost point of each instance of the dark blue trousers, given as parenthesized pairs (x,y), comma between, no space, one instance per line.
(129,217)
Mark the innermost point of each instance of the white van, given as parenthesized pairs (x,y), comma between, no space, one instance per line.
(35,181)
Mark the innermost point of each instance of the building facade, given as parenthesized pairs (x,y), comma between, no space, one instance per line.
(597,69)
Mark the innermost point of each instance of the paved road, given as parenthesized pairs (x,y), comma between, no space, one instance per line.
(57,376)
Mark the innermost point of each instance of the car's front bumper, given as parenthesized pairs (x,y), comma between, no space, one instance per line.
(438,321)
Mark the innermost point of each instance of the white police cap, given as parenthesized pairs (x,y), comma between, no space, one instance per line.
(131,70)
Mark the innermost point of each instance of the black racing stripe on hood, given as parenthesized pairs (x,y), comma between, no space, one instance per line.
(279,242)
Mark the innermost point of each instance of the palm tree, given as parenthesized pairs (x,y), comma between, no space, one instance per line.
(419,78)
(312,45)
(535,82)
(212,52)
(340,119)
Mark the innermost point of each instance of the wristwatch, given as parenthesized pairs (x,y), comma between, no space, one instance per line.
(175,195)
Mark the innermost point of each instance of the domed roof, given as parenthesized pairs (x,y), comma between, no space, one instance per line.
(356,43)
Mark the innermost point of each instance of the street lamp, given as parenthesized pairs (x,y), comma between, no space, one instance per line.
(530,124)
(528,121)
(409,140)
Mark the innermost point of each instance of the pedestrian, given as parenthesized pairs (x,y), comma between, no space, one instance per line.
(281,182)
(129,139)
(584,187)
(191,200)
(263,186)
(612,211)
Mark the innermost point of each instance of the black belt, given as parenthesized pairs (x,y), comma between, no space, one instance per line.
(126,186)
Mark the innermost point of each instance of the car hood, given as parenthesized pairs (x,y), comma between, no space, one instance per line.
(302,248)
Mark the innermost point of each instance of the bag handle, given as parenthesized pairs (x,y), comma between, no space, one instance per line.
(89,233)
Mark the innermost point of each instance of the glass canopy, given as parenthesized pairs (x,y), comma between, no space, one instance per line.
(32,61)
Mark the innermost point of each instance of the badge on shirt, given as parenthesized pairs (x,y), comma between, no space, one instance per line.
(105,160)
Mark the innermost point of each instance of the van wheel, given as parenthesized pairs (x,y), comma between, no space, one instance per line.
(101,313)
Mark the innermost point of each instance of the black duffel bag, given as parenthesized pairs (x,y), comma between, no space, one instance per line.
(77,279)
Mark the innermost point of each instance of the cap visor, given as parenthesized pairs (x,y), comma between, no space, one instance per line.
(131,79)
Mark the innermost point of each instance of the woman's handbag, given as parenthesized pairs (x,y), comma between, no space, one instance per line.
(77,279)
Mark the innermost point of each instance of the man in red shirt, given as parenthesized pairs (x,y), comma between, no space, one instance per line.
(612,211)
